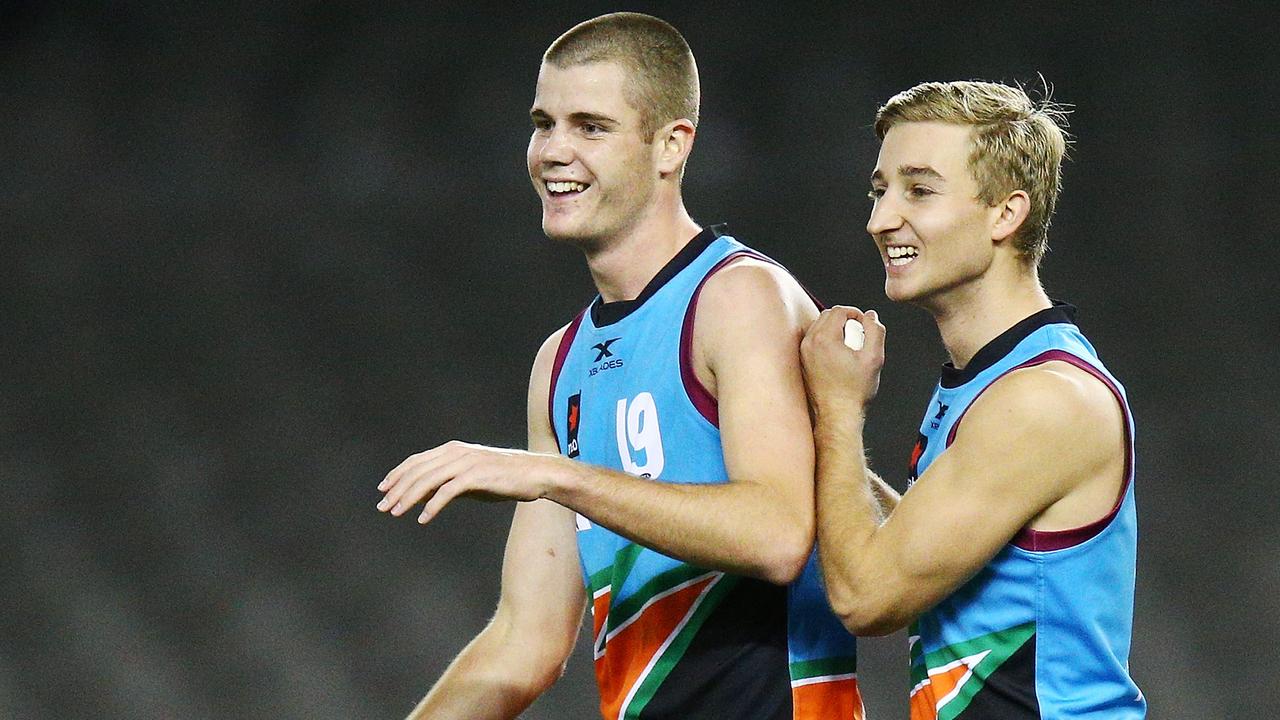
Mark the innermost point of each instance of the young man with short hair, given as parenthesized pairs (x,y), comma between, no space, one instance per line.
(1012,555)
(670,463)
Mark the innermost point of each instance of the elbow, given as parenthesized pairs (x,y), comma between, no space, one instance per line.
(536,666)
(786,557)
(872,625)
(545,676)
(547,664)
(530,660)
(864,614)
(784,571)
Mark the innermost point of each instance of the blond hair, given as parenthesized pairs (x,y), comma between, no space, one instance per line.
(1018,144)
(662,76)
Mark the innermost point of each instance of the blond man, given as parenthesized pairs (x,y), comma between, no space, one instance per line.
(1012,554)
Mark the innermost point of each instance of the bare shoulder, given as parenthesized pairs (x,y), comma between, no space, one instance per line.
(1054,405)
(1036,438)
(543,364)
(754,291)
(750,317)
(546,356)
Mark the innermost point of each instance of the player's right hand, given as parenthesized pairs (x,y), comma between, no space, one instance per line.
(840,380)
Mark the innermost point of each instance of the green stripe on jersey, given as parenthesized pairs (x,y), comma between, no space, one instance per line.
(650,682)
(616,574)
(999,646)
(620,612)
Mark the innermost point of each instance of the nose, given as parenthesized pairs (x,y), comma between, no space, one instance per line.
(556,148)
(884,216)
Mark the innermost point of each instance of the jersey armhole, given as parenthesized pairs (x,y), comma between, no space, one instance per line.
(1048,540)
(702,399)
(562,352)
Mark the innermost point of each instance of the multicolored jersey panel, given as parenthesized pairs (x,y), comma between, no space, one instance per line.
(1043,630)
(673,640)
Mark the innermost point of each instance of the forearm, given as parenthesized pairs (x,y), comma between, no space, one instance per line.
(852,504)
(744,527)
(495,677)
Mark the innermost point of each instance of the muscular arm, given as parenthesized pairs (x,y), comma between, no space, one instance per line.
(524,648)
(760,523)
(1043,446)
(749,321)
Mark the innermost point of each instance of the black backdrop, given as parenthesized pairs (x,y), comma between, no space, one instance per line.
(254,254)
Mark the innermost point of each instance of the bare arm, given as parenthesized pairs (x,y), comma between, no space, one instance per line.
(524,648)
(749,323)
(750,319)
(998,476)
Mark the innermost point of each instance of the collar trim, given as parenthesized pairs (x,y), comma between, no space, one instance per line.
(604,314)
(1005,342)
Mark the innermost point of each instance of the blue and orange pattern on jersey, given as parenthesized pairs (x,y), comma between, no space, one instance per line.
(671,639)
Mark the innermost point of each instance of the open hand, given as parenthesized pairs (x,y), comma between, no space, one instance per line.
(445,472)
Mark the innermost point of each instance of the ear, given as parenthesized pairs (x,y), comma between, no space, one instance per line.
(1012,212)
(672,145)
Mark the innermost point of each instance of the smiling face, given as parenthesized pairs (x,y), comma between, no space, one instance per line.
(934,235)
(594,172)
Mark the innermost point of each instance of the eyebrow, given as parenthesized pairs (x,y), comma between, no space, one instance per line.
(910,171)
(919,171)
(578,117)
(582,117)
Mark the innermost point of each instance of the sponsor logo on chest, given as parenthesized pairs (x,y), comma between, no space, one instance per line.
(604,359)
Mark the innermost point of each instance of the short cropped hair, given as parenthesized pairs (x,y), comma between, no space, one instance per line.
(1018,144)
(662,78)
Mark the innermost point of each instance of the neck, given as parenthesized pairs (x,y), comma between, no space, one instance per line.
(975,314)
(623,265)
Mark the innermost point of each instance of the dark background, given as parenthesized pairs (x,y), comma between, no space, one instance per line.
(256,253)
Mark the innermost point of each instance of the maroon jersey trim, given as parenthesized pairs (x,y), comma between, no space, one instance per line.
(562,352)
(1047,540)
(701,398)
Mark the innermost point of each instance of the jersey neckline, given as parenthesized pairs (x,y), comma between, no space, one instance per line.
(604,314)
(1005,342)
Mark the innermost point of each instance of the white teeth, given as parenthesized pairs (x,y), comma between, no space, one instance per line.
(565,186)
(900,255)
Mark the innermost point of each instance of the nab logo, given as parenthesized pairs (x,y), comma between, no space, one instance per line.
(603,352)
(937,419)
(604,349)
(575,419)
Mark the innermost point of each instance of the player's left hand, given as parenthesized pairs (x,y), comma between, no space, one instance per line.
(456,468)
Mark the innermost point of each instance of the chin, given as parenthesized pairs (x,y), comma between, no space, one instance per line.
(570,235)
(560,228)
(897,291)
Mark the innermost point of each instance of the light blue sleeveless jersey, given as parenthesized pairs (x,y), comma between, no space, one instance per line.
(672,639)
(1043,630)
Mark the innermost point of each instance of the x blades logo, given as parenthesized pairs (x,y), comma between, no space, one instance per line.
(603,349)
(936,422)
(604,358)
